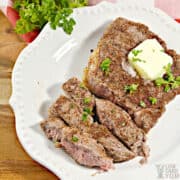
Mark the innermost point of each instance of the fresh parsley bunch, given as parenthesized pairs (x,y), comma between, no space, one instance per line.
(34,14)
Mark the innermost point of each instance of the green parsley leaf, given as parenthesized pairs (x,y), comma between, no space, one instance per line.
(131,88)
(135,52)
(142,104)
(168,81)
(178,78)
(75,139)
(87,100)
(137,59)
(105,65)
(82,85)
(153,100)
(84,116)
(87,110)
(167,88)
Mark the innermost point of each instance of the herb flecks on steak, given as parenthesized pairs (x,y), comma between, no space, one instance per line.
(118,40)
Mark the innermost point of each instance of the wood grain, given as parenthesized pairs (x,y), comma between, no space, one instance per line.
(14,162)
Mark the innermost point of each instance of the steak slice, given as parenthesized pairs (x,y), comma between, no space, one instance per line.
(53,127)
(114,148)
(81,95)
(69,111)
(118,40)
(83,149)
(120,123)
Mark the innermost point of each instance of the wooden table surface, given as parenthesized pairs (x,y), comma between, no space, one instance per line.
(14,161)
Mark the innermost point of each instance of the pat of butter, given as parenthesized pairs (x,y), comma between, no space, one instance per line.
(149,59)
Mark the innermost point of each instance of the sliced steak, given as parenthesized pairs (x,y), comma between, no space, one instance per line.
(112,145)
(119,38)
(63,108)
(86,151)
(79,145)
(120,123)
(70,112)
(79,92)
(53,127)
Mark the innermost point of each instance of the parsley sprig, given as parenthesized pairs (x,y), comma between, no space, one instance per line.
(168,81)
(135,52)
(84,116)
(153,100)
(131,88)
(138,59)
(34,14)
(75,139)
(142,104)
(87,100)
(105,65)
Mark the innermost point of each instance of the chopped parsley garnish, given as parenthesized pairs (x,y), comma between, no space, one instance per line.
(168,81)
(167,88)
(88,110)
(153,100)
(82,85)
(137,59)
(131,88)
(87,100)
(72,106)
(84,116)
(142,104)
(135,52)
(75,139)
(105,65)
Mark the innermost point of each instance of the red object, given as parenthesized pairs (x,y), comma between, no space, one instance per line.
(178,20)
(13,16)
(30,36)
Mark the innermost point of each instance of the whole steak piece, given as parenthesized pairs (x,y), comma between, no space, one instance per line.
(118,40)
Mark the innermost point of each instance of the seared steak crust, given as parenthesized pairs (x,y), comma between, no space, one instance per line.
(119,38)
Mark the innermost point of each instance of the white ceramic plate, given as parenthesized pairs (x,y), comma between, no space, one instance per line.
(53,58)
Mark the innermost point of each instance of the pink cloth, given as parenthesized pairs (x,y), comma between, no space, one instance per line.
(171,7)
